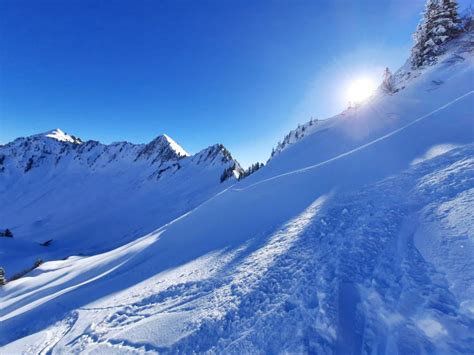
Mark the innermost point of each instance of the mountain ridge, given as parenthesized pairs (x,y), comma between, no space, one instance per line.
(160,150)
(122,189)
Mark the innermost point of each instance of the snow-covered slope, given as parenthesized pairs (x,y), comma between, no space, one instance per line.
(384,111)
(89,197)
(355,239)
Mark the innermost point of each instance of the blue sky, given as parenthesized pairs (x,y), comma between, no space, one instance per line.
(238,72)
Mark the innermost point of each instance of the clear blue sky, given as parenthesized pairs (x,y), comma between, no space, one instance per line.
(238,72)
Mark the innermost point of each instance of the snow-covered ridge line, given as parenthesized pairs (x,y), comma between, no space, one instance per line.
(294,136)
(163,153)
(302,170)
(59,135)
(456,50)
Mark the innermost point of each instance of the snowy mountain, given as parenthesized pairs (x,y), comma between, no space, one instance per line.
(355,238)
(90,197)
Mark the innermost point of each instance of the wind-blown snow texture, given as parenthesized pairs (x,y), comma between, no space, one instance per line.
(357,238)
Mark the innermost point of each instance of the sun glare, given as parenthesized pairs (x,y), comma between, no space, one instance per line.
(360,89)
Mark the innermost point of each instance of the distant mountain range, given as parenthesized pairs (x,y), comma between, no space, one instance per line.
(91,197)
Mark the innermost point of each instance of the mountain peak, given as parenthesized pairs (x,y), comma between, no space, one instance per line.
(162,148)
(175,146)
(218,155)
(61,136)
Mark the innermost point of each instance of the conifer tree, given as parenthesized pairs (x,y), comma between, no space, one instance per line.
(452,21)
(435,32)
(388,83)
(419,37)
(440,24)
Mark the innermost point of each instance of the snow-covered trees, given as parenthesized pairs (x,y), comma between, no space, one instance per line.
(419,37)
(440,24)
(388,84)
(451,19)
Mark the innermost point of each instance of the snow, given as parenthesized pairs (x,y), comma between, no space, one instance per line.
(434,152)
(61,136)
(176,147)
(121,190)
(357,237)
(431,327)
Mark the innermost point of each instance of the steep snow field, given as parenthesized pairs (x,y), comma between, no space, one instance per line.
(356,238)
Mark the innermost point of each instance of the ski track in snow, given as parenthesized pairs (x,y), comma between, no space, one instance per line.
(355,149)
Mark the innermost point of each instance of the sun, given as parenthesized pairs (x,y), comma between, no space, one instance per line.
(360,89)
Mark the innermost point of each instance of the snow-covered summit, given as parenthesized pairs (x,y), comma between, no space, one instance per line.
(176,147)
(162,148)
(213,154)
(59,135)
(216,155)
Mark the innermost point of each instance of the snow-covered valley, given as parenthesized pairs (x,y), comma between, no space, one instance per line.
(357,237)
